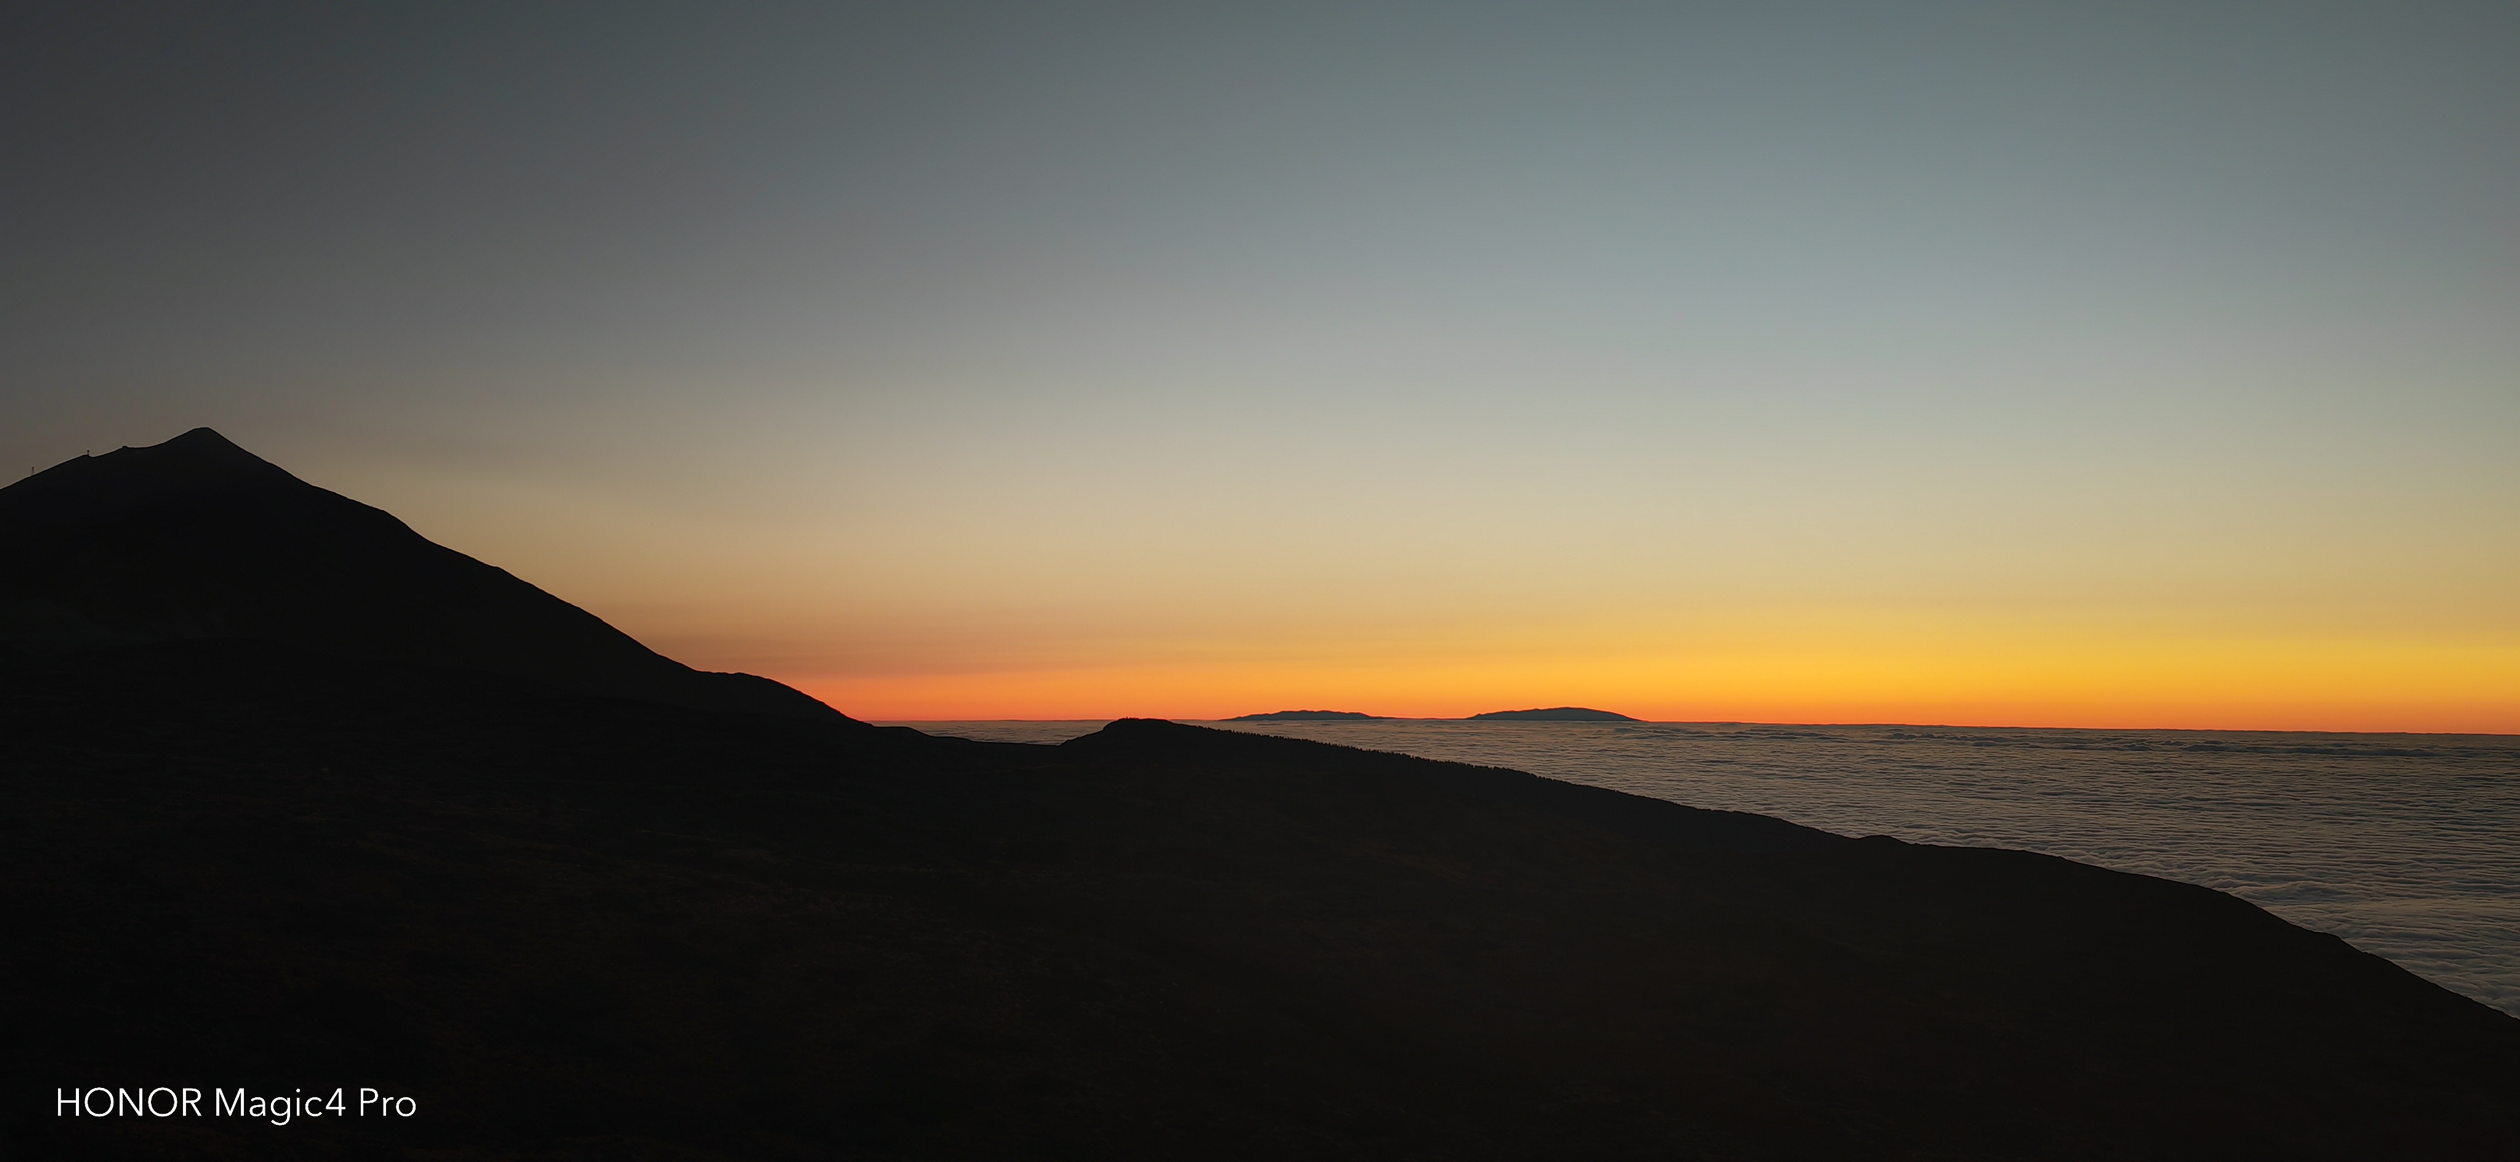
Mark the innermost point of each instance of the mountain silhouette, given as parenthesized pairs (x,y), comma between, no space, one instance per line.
(1305,716)
(197,538)
(1552,714)
(276,820)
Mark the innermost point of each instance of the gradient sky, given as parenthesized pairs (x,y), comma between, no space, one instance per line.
(2109,364)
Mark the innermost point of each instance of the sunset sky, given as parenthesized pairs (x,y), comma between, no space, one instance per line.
(2097,365)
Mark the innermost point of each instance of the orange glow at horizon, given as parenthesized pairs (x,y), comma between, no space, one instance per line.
(2347,685)
(1739,370)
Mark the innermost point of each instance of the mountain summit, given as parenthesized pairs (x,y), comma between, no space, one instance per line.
(197,538)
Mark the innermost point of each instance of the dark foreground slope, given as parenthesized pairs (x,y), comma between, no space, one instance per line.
(197,539)
(583,927)
(293,800)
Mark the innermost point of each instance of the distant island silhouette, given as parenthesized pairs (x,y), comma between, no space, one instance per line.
(1304,716)
(1553,714)
(295,797)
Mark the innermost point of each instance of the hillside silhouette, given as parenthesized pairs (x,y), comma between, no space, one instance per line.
(197,538)
(249,847)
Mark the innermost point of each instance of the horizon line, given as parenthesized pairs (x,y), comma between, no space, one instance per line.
(1742,722)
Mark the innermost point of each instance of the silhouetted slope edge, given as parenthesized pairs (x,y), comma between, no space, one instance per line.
(1634,816)
(584,927)
(198,538)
